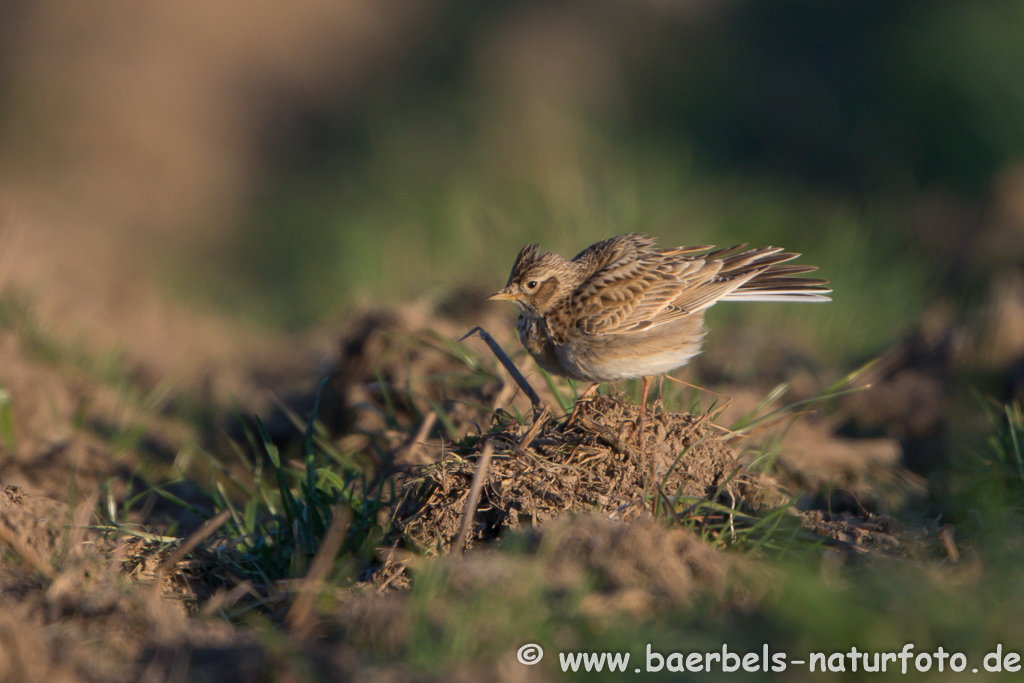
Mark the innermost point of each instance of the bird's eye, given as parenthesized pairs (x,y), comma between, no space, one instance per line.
(531,284)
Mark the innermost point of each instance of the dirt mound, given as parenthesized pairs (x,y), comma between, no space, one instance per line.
(670,565)
(68,613)
(594,465)
(399,364)
(633,567)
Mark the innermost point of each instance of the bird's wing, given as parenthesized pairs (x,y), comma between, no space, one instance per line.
(615,251)
(636,286)
(638,294)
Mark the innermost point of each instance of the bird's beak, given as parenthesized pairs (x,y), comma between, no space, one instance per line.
(503,295)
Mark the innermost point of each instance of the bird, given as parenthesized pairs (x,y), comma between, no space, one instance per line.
(624,308)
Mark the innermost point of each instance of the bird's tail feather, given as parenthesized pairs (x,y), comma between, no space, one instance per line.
(771,281)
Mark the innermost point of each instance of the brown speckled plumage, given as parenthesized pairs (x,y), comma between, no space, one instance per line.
(624,308)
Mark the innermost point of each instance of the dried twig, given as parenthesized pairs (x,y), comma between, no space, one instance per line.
(300,615)
(948,544)
(474,497)
(534,428)
(197,537)
(504,360)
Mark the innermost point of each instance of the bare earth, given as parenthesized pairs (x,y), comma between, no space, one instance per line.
(78,605)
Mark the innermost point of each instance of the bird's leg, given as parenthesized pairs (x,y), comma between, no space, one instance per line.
(643,408)
(583,397)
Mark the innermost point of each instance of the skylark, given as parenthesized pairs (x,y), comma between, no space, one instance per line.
(624,308)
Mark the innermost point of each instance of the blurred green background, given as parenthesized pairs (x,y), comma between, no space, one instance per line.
(284,164)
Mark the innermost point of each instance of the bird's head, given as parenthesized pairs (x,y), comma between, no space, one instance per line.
(538,282)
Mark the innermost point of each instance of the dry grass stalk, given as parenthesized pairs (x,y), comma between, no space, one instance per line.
(301,616)
(197,537)
(474,497)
